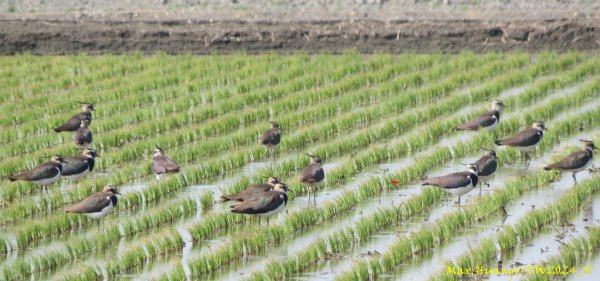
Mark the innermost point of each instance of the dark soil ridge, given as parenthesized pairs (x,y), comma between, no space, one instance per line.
(56,37)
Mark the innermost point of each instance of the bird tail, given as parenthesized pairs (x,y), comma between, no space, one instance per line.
(58,130)
(225,198)
(13,178)
(498,142)
(547,168)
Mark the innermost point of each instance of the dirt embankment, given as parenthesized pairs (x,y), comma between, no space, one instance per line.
(227,36)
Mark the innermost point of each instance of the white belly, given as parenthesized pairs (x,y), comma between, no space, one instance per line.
(270,213)
(48,181)
(493,126)
(459,191)
(526,148)
(76,177)
(102,213)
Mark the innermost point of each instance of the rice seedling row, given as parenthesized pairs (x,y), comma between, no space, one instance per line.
(513,235)
(248,244)
(322,248)
(57,200)
(165,244)
(571,256)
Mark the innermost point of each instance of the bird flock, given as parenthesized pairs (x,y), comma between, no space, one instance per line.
(270,198)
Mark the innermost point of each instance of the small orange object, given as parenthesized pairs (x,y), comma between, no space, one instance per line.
(395,182)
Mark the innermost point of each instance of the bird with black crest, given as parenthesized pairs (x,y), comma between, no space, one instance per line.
(97,205)
(576,161)
(79,166)
(312,176)
(271,137)
(83,137)
(162,164)
(74,122)
(44,174)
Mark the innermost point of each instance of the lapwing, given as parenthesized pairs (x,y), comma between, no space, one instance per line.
(576,161)
(44,174)
(264,204)
(75,122)
(456,183)
(271,138)
(252,191)
(82,137)
(97,205)
(486,165)
(488,120)
(312,176)
(162,164)
(526,140)
(80,165)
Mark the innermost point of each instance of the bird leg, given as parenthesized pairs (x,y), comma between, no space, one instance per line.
(259,220)
(527,159)
(574,178)
(459,200)
(268,221)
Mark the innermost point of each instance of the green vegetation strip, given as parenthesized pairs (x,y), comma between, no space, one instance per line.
(572,255)
(81,247)
(132,253)
(300,220)
(280,269)
(356,117)
(140,148)
(526,228)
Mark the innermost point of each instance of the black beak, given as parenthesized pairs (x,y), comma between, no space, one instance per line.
(98,155)
(311,156)
(118,193)
(65,162)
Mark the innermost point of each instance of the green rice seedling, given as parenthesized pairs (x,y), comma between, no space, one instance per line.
(512,193)
(526,227)
(571,256)
(198,266)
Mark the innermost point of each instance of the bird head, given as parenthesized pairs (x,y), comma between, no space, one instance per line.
(472,168)
(111,189)
(158,151)
(90,153)
(87,107)
(281,187)
(490,153)
(273,180)
(497,105)
(57,159)
(539,125)
(588,144)
(274,124)
(314,159)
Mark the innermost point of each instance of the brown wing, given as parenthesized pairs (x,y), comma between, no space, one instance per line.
(484,120)
(249,193)
(92,204)
(271,136)
(574,160)
(454,180)
(526,137)
(268,201)
(163,164)
(74,123)
(43,171)
(312,173)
